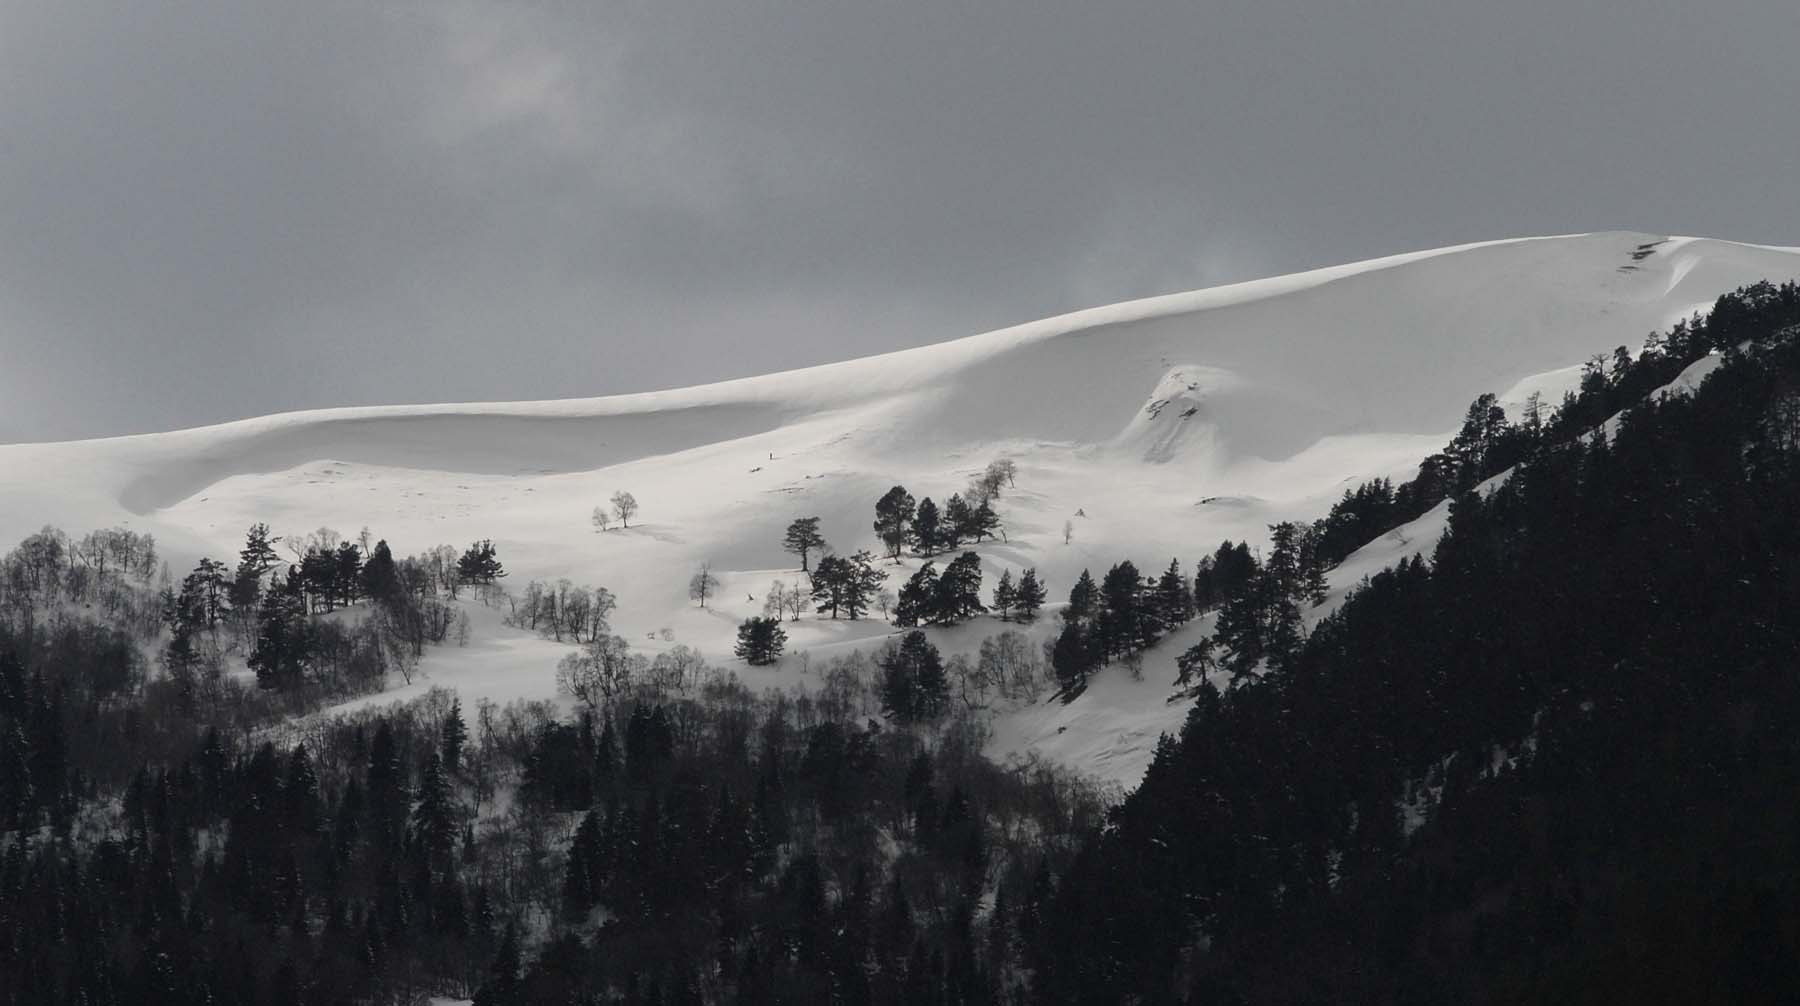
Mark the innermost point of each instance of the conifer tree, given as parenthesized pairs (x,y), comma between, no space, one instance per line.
(502,987)
(1072,655)
(1283,569)
(381,576)
(893,520)
(1084,599)
(582,875)
(1030,596)
(917,597)
(1196,661)
(453,735)
(1313,584)
(957,596)
(434,821)
(480,563)
(958,521)
(1119,625)
(258,554)
(1005,595)
(346,578)
(1174,603)
(803,538)
(760,640)
(863,582)
(830,580)
(1241,628)
(984,521)
(928,531)
(385,790)
(283,639)
(913,685)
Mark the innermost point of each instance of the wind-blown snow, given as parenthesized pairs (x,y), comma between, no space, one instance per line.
(1171,423)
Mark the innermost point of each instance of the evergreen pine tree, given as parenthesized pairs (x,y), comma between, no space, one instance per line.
(1241,629)
(917,597)
(1084,599)
(480,563)
(258,552)
(893,519)
(284,637)
(1072,656)
(957,596)
(984,521)
(803,538)
(1119,625)
(1005,595)
(862,581)
(760,641)
(434,821)
(384,788)
(928,531)
(1313,584)
(581,877)
(453,735)
(1196,661)
(380,575)
(1174,604)
(831,581)
(959,521)
(502,987)
(1030,596)
(913,686)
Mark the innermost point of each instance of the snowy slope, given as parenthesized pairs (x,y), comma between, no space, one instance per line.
(1170,423)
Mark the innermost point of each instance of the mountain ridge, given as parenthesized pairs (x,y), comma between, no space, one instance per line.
(1123,420)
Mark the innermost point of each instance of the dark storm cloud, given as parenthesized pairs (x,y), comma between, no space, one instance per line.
(220,210)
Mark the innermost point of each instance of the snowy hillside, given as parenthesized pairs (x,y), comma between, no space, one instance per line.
(1168,424)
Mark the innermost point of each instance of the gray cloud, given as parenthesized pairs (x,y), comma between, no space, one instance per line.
(220,210)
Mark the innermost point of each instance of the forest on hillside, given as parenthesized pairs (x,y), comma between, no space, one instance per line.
(1555,763)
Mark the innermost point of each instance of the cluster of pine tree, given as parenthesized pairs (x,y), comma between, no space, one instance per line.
(1259,602)
(931,598)
(846,583)
(901,523)
(1553,764)
(1119,617)
(1021,600)
(1488,443)
(293,650)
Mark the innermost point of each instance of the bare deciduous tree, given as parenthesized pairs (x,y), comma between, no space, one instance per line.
(703,584)
(625,505)
(599,673)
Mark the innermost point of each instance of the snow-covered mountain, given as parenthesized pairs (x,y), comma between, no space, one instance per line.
(1156,427)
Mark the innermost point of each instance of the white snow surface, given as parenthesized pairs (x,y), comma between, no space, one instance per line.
(1171,423)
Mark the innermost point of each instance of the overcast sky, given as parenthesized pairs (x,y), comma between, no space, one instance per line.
(213,211)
